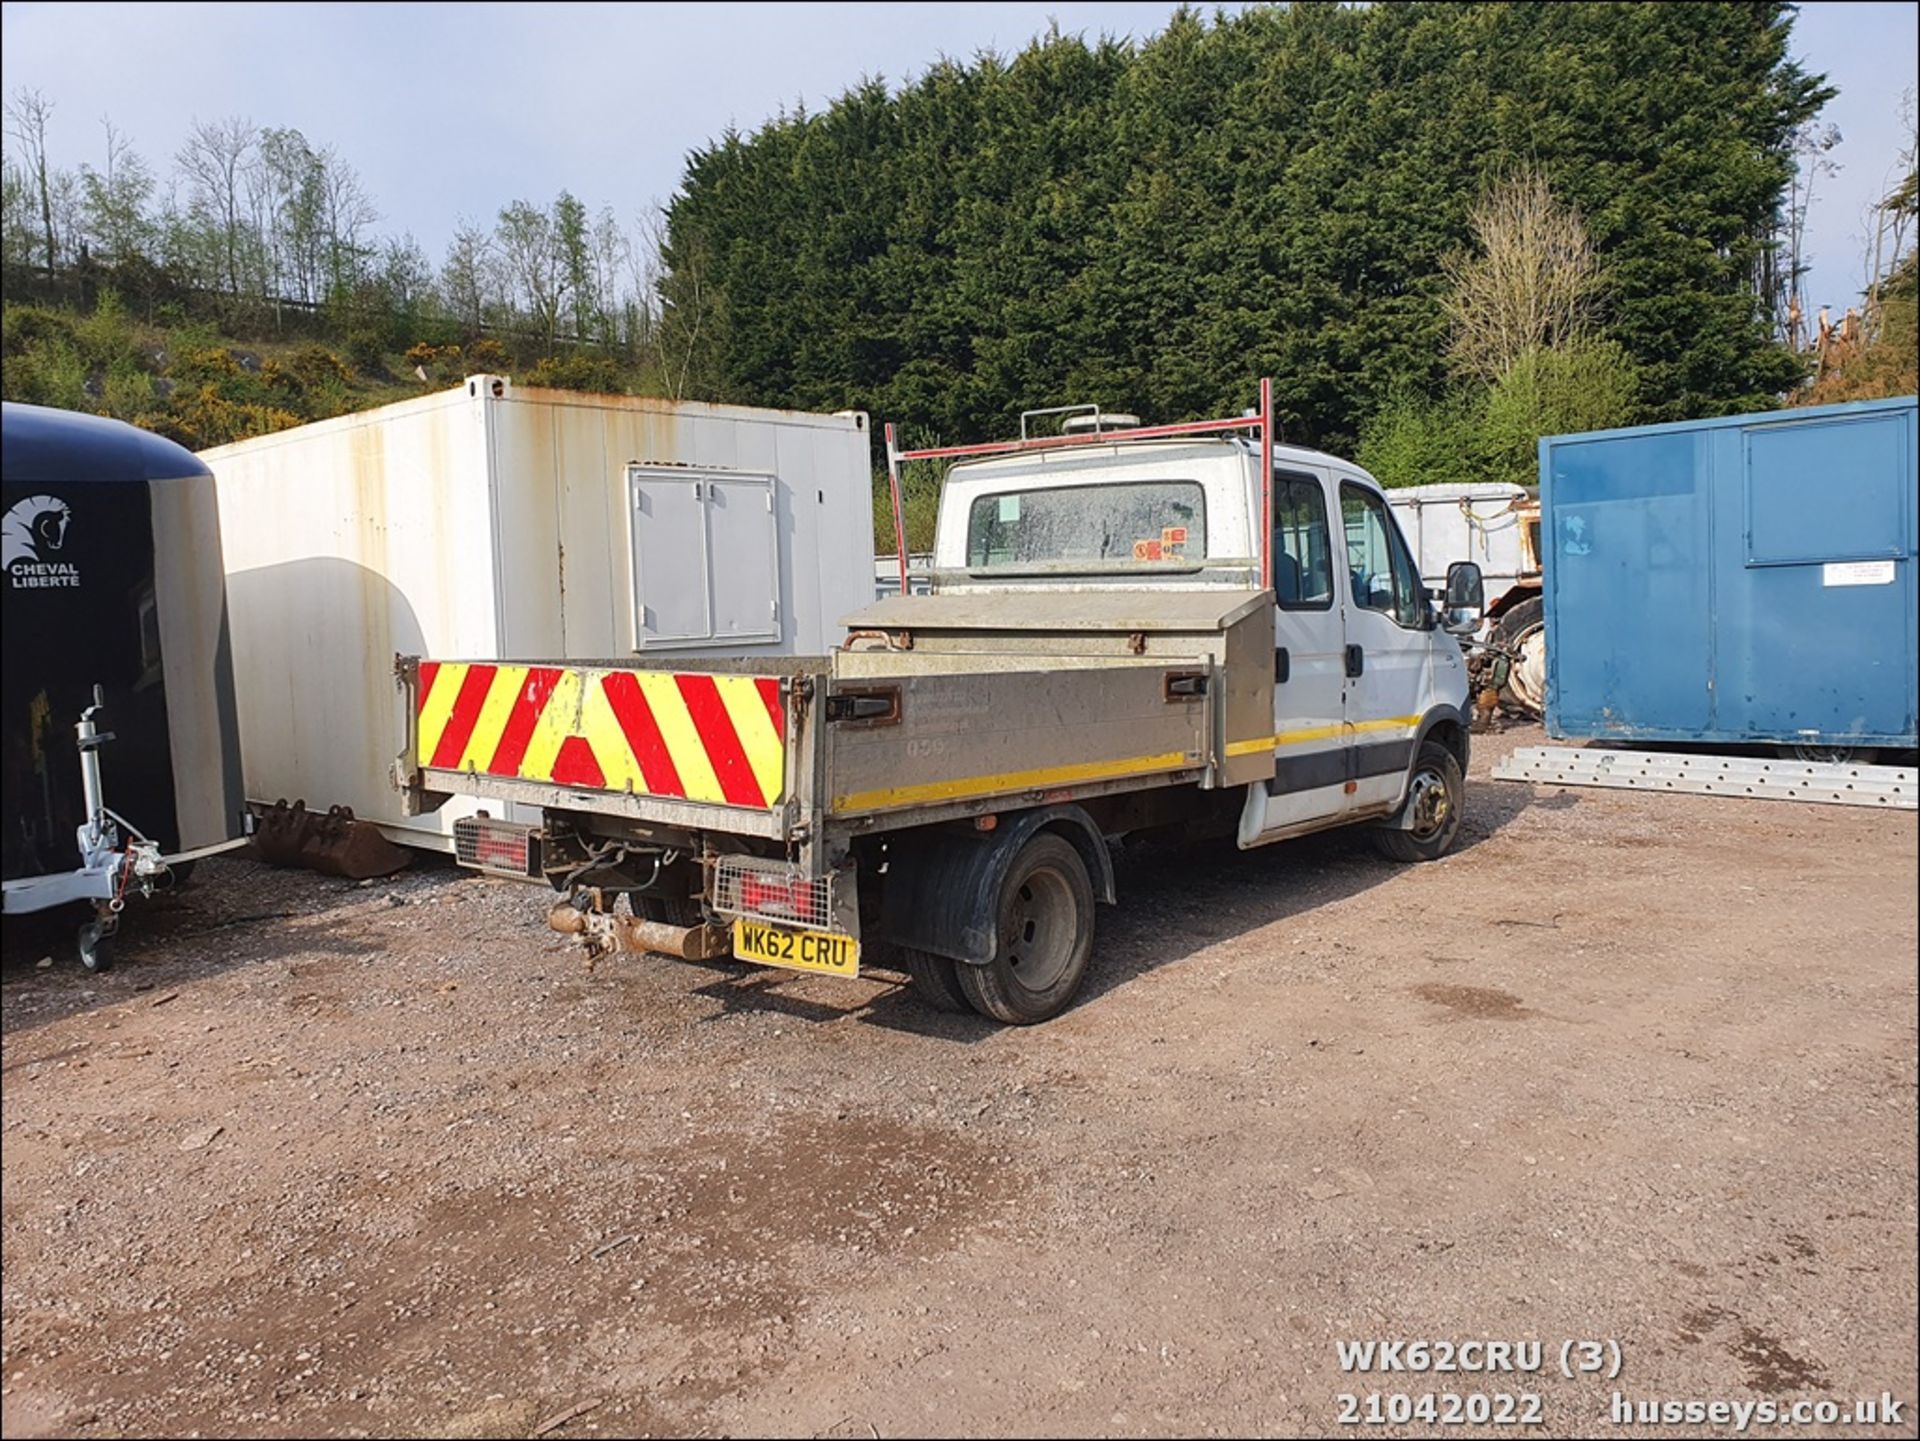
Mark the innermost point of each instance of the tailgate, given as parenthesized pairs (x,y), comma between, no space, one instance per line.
(671,746)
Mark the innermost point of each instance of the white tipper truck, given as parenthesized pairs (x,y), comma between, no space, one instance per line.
(1178,629)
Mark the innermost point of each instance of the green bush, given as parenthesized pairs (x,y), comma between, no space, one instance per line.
(201,418)
(22,326)
(1493,433)
(105,338)
(1591,386)
(48,372)
(190,362)
(314,367)
(1413,440)
(486,356)
(579,371)
(128,392)
(366,348)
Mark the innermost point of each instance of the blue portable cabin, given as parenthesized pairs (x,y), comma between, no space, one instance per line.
(1744,579)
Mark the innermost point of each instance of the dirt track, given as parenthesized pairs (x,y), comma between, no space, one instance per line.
(1624,1067)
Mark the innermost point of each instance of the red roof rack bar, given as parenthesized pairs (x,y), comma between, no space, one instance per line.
(1261,421)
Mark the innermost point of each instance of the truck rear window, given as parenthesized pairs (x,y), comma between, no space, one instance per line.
(1149,522)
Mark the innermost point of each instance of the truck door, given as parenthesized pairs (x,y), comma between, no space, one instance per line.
(1389,647)
(1309,732)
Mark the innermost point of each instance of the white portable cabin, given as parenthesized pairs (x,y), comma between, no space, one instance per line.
(492,522)
(1464,521)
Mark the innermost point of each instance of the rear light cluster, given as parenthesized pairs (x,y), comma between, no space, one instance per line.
(774,895)
(757,888)
(501,848)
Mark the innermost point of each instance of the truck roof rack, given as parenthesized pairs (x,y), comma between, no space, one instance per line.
(1259,421)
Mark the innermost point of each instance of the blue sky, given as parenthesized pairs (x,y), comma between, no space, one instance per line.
(452,110)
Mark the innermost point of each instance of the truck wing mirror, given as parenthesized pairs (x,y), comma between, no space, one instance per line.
(1466,598)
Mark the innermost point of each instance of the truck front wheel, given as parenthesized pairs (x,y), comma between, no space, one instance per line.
(1430,819)
(1044,915)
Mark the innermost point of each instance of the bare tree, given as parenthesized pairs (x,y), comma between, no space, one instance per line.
(114,200)
(215,161)
(531,253)
(287,182)
(1892,221)
(1812,145)
(348,212)
(28,112)
(18,225)
(464,278)
(609,258)
(1530,283)
(641,266)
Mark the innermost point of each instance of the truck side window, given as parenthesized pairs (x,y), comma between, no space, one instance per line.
(1382,574)
(1302,557)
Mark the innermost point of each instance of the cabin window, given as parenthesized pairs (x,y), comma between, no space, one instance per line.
(1302,556)
(1074,529)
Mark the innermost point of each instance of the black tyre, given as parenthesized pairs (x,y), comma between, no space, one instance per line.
(1436,794)
(96,947)
(668,910)
(1045,926)
(936,981)
(1523,630)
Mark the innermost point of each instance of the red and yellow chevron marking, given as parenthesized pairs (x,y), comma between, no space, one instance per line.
(715,738)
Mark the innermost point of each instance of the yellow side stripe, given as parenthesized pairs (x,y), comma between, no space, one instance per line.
(1319,733)
(959,790)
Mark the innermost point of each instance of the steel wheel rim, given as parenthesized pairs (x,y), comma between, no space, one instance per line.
(1528,677)
(1429,805)
(1037,932)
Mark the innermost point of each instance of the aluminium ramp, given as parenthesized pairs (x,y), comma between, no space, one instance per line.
(1892,787)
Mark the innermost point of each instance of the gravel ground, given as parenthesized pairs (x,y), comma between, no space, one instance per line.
(330,1159)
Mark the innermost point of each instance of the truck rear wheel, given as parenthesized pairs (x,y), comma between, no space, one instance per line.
(1431,815)
(936,981)
(1044,924)
(1523,631)
(669,910)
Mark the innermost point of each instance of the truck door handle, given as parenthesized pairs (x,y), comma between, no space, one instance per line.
(1356,660)
(1282,666)
(1184,685)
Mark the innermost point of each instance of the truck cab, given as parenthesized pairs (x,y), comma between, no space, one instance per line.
(1364,668)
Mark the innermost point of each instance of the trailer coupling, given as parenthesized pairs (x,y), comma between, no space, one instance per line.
(589,917)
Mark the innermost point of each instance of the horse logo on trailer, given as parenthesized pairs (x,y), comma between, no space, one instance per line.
(31,533)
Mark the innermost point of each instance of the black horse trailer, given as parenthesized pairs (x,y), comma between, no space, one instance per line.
(115,613)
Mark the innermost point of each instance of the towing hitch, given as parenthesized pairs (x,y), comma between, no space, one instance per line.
(602,932)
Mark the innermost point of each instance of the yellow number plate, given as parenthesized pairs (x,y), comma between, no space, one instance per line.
(827,951)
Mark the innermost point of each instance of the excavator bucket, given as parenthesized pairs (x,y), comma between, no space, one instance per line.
(334,844)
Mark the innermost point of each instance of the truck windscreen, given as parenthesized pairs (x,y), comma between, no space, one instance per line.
(1151,522)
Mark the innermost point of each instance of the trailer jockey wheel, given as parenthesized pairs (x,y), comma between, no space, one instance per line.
(96,945)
